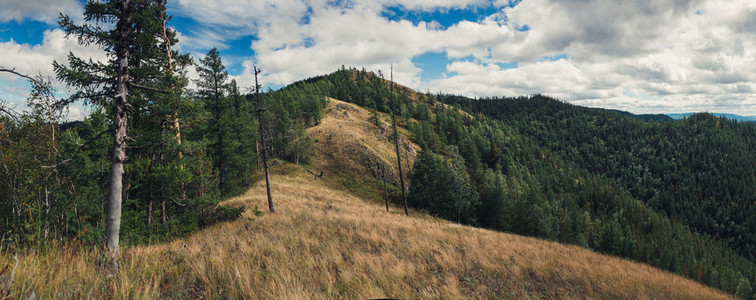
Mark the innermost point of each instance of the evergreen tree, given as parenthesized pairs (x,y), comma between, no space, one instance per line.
(98,82)
(212,87)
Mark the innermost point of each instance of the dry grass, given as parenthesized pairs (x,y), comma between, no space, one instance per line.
(352,150)
(325,242)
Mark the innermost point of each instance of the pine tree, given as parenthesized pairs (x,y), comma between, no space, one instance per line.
(212,86)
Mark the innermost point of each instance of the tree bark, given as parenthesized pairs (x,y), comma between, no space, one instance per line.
(396,142)
(120,124)
(260,110)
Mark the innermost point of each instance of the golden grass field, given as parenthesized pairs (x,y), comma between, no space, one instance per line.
(325,242)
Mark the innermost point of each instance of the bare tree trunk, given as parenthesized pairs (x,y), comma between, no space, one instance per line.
(120,124)
(257,151)
(385,188)
(149,211)
(396,142)
(260,110)
(169,54)
(163,213)
(176,124)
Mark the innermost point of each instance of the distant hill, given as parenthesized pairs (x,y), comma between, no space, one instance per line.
(648,117)
(728,116)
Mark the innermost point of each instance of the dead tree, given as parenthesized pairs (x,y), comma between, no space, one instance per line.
(396,141)
(260,110)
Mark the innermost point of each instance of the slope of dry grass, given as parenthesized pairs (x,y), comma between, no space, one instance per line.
(353,151)
(327,242)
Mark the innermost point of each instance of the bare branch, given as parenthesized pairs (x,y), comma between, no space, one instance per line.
(4,108)
(13,71)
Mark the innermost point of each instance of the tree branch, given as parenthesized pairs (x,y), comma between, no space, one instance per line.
(13,71)
(8,111)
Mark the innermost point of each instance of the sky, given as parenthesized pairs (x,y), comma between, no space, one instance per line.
(643,56)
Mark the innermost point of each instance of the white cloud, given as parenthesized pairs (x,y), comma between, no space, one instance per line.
(36,60)
(658,56)
(39,10)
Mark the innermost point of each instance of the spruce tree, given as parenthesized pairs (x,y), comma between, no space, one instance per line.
(212,86)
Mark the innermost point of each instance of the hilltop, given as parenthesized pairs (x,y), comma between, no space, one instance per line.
(326,242)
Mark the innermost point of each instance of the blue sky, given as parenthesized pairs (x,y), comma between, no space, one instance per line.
(665,56)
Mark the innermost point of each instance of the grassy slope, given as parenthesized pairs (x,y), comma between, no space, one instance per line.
(325,242)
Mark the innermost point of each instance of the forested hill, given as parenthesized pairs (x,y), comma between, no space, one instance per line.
(699,171)
(647,117)
(498,166)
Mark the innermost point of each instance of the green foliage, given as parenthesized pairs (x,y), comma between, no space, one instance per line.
(699,171)
(443,187)
(743,289)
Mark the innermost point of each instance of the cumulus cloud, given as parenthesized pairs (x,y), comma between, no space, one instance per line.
(39,10)
(36,60)
(662,57)
(646,57)
(654,56)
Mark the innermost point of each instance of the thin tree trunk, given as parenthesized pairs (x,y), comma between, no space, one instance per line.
(260,110)
(120,123)
(396,142)
(385,188)
(176,124)
(257,151)
(149,211)
(169,54)
(163,213)
(219,132)
(162,191)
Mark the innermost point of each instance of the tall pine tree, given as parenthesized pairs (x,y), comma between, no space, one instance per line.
(212,89)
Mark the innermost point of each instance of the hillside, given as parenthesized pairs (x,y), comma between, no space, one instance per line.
(326,242)
(699,171)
